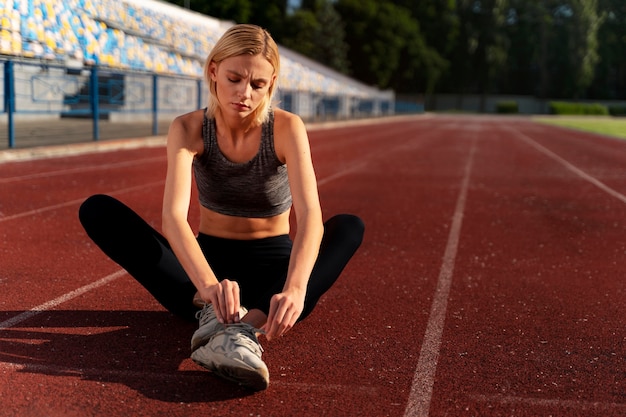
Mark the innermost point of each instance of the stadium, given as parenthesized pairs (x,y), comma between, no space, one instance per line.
(142,60)
(489,280)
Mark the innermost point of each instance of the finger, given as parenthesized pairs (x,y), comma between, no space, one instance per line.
(231,296)
(221,309)
(236,303)
(289,320)
(277,324)
(269,324)
(216,309)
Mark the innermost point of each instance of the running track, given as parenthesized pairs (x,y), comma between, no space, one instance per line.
(490,283)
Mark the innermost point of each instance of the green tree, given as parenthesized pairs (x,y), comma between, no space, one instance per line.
(269,14)
(610,77)
(528,30)
(555,47)
(583,44)
(387,48)
(317,31)
(239,11)
(438,21)
(439,26)
(489,43)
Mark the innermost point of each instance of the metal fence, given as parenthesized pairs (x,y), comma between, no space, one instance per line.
(44,90)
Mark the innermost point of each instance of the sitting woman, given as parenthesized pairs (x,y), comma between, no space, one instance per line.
(242,275)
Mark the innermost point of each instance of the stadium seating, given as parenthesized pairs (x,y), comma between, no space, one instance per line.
(118,34)
(139,35)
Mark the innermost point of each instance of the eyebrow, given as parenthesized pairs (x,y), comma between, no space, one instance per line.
(256,80)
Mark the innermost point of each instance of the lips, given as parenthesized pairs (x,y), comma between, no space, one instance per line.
(241,106)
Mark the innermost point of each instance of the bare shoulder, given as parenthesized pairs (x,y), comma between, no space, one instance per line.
(185,131)
(289,133)
(287,123)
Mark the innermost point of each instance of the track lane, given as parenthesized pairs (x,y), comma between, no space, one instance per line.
(357,354)
(366,379)
(536,313)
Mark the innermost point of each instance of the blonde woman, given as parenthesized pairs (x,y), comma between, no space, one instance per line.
(252,165)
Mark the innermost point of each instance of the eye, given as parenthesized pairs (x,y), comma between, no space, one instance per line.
(233,80)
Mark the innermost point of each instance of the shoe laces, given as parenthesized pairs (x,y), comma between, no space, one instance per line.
(244,334)
(205,314)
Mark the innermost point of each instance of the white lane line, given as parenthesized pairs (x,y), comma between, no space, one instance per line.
(77,201)
(59,300)
(48,174)
(377,155)
(340,174)
(424,377)
(51,304)
(568,165)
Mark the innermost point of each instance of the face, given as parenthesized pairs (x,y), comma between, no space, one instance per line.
(242,82)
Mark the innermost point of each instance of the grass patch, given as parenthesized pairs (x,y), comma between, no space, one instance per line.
(609,126)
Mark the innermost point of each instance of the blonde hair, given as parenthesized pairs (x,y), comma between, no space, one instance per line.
(243,39)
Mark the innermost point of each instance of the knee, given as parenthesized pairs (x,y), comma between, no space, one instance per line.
(348,226)
(94,207)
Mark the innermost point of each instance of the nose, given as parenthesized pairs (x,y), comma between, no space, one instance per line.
(245,91)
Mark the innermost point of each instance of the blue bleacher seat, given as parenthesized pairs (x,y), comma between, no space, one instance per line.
(129,34)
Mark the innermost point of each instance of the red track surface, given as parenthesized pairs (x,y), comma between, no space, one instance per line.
(490,283)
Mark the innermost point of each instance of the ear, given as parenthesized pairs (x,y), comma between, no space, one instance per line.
(213,71)
(272,82)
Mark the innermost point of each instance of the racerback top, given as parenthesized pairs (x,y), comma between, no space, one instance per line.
(256,188)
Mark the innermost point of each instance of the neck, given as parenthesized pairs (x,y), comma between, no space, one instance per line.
(233,129)
(234,125)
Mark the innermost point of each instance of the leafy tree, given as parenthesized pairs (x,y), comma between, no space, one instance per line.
(239,11)
(438,21)
(583,44)
(610,76)
(269,14)
(549,48)
(387,48)
(439,25)
(299,32)
(574,42)
(557,42)
(317,31)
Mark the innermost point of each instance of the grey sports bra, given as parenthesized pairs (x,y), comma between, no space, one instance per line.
(256,188)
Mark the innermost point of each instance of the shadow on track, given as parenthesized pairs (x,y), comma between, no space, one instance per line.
(148,351)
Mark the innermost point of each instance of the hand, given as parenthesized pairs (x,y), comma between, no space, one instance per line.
(225,299)
(285,309)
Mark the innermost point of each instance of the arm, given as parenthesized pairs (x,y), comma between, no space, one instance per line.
(178,232)
(293,145)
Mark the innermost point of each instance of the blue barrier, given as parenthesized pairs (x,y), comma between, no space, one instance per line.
(100,92)
(91,92)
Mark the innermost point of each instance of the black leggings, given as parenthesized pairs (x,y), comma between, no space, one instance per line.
(259,266)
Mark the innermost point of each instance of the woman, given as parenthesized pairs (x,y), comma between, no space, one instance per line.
(251,163)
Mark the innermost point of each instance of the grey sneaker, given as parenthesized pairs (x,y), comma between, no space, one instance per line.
(208,326)
(234,353)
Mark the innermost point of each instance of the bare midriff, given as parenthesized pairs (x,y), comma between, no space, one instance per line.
(242,228)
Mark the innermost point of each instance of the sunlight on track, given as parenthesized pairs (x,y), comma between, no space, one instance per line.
(49,174)
(424,378)
(112,374)
(571,404)
(568,165)
(77,201)
(59,300)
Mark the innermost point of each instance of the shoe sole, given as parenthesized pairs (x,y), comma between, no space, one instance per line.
(254,379)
